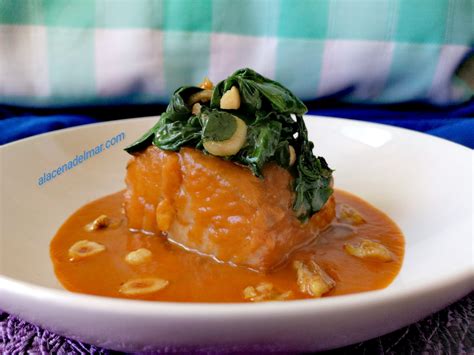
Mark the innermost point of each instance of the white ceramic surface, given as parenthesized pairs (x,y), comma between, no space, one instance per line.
(424,183)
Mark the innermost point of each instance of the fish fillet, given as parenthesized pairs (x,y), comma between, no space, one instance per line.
(218,208)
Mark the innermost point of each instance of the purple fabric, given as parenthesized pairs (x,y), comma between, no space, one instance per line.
(20,337)
(450,331)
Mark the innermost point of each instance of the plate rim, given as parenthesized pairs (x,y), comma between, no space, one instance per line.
(143,308)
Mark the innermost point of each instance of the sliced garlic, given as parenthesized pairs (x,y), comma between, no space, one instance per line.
(349,215)
(369,250)
(201,96)
(100,222)
(229,146)
(206,84)
(138,257)
(142,286)
(292,155)
(231,99)
(265,291)
(83,249)
(313,280)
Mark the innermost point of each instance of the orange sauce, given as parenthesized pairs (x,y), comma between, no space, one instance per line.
(196,278)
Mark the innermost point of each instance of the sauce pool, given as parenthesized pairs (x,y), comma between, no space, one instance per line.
(196,278)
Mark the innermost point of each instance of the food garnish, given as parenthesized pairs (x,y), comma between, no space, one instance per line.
(369,250)
(138,257)
(349,215)
(265,291)
(83,249)
(137,287)
(250,120)
(311,279)
(100,222)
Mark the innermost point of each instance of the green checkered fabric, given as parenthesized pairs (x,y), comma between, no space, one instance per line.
(80,52)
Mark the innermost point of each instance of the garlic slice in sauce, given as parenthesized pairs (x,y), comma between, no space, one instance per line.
(138,257)
(349,215)
(312,280)
(369,250)
(142,286)
(83,249)
(265,291)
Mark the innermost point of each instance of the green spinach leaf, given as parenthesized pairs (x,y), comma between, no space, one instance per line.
(172,134)
(219,125)
(174,128)
(262,141)
(258,92)
(313,178)
(144,141)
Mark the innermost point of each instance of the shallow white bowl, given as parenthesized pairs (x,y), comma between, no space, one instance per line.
(424,183)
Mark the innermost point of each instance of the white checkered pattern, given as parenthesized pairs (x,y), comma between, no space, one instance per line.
(364,65)
(128,60)
(232,52)
(24,61)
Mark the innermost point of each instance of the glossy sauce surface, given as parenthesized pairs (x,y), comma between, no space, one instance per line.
(196,278)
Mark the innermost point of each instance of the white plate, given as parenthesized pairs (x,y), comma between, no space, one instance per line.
(423,183)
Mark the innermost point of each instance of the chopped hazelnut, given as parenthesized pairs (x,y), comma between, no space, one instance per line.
(100,222)
(231,99)
(196,110)
(206,84)
(201,96)
(292,155)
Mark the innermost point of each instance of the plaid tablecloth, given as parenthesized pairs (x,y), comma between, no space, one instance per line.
(63,52)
